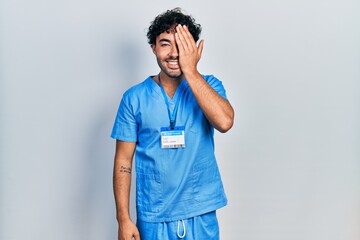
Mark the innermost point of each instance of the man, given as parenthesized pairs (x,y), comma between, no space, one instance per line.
(168,121)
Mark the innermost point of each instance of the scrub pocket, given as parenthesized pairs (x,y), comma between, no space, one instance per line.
(149,194)
(207,181)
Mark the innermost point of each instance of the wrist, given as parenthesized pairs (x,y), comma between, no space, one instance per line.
(193,74)
(123,218)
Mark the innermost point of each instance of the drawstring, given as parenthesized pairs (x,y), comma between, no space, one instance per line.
(178,229)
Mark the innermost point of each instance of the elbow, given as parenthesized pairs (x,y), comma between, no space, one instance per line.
(226,124)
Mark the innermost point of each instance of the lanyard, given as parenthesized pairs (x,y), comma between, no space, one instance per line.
(172,116)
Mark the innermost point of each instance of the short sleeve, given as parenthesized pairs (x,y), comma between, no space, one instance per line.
(125,126)
(217,85)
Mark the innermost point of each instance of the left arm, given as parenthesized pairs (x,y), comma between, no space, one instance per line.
(217,110)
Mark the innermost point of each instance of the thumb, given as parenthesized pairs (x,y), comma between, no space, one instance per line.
(200,48)
(136,236)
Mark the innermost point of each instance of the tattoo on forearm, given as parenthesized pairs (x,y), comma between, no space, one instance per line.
(125,169)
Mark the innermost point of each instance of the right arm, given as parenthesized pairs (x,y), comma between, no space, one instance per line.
(122,181)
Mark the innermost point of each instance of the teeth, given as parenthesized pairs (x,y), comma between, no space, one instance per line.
(173,63)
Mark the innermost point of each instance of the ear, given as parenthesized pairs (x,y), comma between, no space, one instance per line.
(153,46)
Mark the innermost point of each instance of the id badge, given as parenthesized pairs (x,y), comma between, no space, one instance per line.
(172,138)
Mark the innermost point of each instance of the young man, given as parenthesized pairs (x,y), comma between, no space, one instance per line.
(168,121)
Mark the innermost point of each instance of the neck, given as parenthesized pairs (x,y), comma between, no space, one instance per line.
(170,81)
(169,84)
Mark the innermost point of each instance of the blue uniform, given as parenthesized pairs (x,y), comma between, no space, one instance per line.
(171,184)
(203,227)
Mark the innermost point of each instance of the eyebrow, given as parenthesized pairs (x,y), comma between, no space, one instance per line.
(164,40)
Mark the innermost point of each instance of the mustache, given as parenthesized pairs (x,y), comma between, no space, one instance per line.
(172,58)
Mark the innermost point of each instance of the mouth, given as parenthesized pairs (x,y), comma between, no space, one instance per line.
(174,64)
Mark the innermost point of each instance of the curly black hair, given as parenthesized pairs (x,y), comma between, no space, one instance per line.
(168,20)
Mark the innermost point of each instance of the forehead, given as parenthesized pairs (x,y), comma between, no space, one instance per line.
(169,36)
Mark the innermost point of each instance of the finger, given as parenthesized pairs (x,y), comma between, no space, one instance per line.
(183,37)
(180,38)
(189,38)
(179,42)
(136,236)
(200,48)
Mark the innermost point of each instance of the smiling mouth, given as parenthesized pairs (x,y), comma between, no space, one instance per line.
(173,63)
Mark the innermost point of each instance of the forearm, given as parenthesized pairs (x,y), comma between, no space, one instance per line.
(122,178)
(217,110)
(121,184)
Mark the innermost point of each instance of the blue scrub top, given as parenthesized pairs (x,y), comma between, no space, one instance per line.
(171,184)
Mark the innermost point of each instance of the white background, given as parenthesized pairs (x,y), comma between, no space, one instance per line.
(290,165)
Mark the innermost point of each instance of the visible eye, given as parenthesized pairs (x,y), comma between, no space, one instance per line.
(164,45)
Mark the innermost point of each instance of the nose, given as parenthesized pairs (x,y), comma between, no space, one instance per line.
(174,51)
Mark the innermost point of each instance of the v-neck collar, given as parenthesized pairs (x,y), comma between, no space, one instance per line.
(178,92)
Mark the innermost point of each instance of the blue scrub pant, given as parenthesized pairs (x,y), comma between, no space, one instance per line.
(203,227)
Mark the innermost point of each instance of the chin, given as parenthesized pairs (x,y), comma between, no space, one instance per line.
(174,74)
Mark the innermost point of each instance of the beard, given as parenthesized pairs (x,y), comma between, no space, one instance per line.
(171,73)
